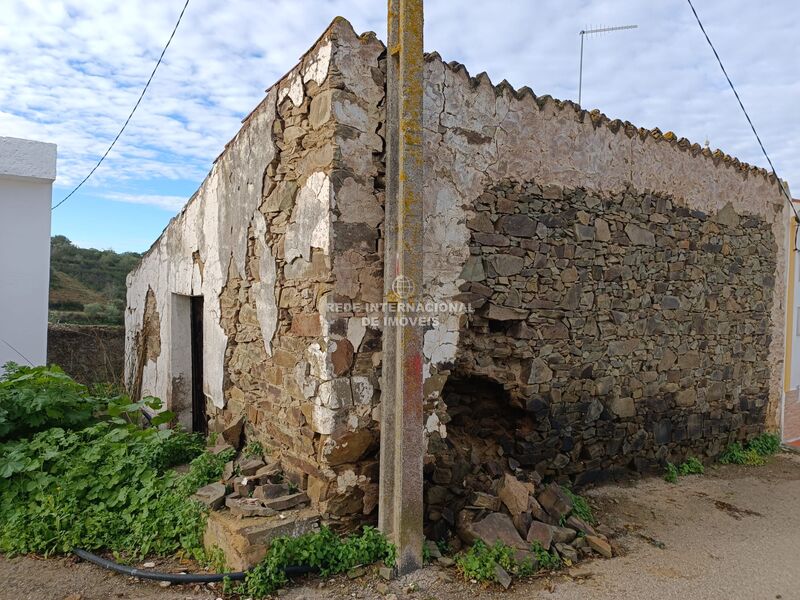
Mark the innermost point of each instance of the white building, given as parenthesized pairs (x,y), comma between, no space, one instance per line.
(27,171)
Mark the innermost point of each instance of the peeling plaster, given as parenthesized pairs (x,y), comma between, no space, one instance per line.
(317,68)
(264,288)
(311,218)
(208,240)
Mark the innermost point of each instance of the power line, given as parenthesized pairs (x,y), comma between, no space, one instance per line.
(747,116)
(18,352)
(135,106)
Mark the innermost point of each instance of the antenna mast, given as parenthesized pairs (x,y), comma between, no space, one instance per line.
(585,32)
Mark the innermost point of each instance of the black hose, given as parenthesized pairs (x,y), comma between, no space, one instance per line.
(177,577)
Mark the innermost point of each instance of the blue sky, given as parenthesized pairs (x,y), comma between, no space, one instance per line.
(70,71)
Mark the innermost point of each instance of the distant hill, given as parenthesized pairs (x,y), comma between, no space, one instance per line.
(87,285)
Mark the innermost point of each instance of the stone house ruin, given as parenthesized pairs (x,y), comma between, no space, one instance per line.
(624,289)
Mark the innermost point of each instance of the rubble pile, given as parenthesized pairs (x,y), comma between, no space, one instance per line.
(523,514)
(251,487)
(480,487)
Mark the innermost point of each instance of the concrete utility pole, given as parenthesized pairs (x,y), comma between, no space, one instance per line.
(402,445)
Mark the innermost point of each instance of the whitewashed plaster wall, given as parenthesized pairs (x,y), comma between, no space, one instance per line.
(27,172)
(476,133)
(206,244)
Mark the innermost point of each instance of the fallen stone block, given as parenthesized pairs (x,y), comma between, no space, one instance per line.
(286,502)
(599,545)
(522,522)
(539,514)
(553,499)
(579,524)
(245,541)
(567,552)
(228,471)
(514,494)
(494,527)
(232,434)
(486,501)
(502,576)
(249,466)
(541,533)
(563,535)
(244,486)
(266,473)
(247,507)
(270,490)
(433,549)
(211,495)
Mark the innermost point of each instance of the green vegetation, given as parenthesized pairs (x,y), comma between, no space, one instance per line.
(766,444)
(253,450)
(444,547)
(87,285)
(34,399)
(671,473)
(323,550)
(754,453)
(692,466)
(580,507)
(76,470)
(479,562)
(93,478)
(548,561)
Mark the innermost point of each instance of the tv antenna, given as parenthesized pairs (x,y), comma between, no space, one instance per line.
(583,33)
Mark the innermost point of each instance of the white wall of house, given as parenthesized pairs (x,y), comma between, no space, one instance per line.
(27,172)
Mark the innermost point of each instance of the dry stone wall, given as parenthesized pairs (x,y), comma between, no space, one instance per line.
(629,284)
(631,329)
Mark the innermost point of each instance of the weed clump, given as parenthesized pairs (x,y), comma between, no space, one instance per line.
(754,453)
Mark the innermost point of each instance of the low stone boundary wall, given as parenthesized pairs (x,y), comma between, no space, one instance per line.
(88,353)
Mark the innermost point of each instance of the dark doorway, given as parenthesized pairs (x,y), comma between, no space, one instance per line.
(199,419)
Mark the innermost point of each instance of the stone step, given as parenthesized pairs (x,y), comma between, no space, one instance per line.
(244,542)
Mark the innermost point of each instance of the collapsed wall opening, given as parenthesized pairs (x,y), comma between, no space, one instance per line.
(488,435)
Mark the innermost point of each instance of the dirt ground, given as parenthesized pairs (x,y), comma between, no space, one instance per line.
(731,534)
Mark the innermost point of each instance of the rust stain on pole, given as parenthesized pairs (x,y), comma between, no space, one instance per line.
(402,443)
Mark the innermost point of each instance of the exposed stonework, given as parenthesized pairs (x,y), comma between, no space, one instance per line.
(628,286)
(258,242)
(626,350)
(88,353)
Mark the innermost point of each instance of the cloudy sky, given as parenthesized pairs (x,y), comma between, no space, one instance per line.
(70,71)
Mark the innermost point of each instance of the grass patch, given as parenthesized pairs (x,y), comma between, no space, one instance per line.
(754,453)
(479,562)
(548,561)
(580,507)
(253,450)
(323,550)
(692,466)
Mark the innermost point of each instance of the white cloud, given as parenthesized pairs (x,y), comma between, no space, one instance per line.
(70,71)
(170,203)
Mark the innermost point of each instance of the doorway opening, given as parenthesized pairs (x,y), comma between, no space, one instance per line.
(199,416)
